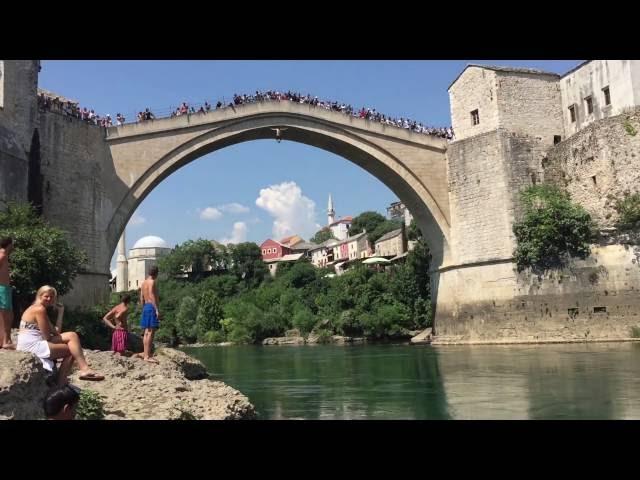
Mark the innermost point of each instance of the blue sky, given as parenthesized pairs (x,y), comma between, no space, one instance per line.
(215,196)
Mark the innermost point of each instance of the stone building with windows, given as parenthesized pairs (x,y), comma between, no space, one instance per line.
(391,244)
(145,253)
(598,89)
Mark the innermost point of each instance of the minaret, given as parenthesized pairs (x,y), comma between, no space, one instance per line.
(331,214)
(122,283)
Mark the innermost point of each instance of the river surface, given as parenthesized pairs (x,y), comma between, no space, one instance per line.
(376,382)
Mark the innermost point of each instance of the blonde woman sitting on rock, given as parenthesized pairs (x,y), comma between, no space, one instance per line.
(38,336)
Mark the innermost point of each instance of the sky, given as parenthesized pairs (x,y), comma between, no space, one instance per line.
(262,189)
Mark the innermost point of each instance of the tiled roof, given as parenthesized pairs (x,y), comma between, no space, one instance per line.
(389,235)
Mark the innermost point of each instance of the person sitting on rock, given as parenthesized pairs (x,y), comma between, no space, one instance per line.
(61,403)
(39,337)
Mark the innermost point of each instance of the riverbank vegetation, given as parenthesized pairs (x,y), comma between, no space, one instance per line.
(213,293)
(247,305)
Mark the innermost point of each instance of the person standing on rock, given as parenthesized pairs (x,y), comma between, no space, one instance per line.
(118,315)
(6,306)
(150,314)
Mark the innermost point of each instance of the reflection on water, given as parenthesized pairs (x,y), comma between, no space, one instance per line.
(576,381)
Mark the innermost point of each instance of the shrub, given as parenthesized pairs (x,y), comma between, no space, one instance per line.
(88,324)
(90,406)
(304,320)
(213,336)
(552,229)
(629,211)
(630,128)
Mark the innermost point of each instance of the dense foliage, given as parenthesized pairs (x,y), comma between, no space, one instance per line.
(244,304)
(375,224)
(322,236)
(552,229)
(43,255)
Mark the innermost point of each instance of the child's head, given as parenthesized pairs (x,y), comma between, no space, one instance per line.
(61,402)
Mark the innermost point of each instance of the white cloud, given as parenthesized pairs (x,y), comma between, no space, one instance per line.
(293,212)
(136,220)
(238,235)
(233,208)
(210,213)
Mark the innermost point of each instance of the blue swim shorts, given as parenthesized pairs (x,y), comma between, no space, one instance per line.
(149,318)
(5,298)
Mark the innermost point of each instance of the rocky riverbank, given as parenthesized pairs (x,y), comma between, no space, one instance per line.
(177,387)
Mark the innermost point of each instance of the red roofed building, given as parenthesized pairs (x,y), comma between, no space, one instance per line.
(271,250)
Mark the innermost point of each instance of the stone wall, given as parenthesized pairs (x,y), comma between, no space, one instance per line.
(474,89)
(484,187)
(598,164)
(592,299)
(529,104)
(75,164)
(17,121)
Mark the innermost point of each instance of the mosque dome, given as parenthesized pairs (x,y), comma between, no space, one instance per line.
(150,241)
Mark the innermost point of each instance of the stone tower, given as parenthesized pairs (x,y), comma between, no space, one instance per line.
(122,283)
(18,125)
(331,214)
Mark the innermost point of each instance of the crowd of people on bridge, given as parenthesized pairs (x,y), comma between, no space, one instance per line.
(71,109)
(370,114)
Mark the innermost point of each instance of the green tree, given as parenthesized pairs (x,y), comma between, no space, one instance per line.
(193,257)
(368,221)
(413,232)
(298,275)
(304,320)
(552,229)
(419,262)
(322,236)
(186,319)
(43,254)
(246,263)
(210,313)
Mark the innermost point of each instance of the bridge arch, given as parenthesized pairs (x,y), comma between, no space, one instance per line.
(412,165)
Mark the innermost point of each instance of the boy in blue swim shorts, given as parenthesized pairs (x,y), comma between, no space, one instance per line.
(150,320)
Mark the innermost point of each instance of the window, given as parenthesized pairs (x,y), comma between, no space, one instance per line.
(264,251)
(607,96)
(589,102)
(475,117)
(557,139)
(599,309)
(572,111)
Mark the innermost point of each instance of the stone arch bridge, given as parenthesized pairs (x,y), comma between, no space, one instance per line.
(90,180)
(412,165)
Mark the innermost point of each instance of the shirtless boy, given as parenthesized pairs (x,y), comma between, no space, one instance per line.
(116,319)
(150,314)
